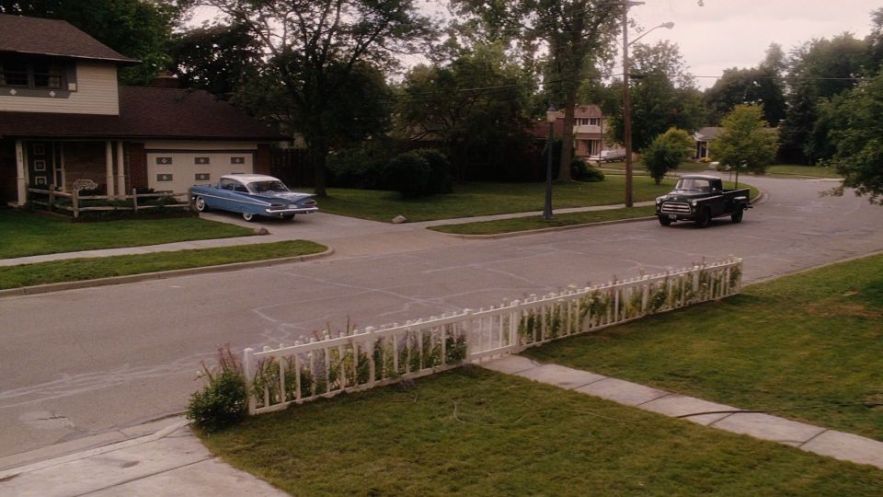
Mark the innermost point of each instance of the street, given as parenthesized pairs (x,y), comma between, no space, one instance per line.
(87,361)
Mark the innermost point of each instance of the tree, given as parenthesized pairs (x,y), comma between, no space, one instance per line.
(856,131)
(139,29)
(666,152)
(574,33)
(315,51)
(475,106)
(217,59)
(745,143)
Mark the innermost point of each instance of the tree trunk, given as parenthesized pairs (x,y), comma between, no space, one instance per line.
(318,155)
(567,135)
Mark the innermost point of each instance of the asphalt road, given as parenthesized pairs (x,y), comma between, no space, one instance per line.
(87,361)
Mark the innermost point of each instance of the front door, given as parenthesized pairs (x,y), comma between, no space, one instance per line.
(41,164)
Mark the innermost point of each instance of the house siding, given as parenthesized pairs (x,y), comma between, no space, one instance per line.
(97,93)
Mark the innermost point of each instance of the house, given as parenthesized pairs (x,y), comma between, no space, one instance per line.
(703,138)
(64,118)
(589,127)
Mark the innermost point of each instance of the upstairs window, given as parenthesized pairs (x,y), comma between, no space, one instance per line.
(31,73)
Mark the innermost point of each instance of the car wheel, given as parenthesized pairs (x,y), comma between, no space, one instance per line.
(704,218)
(737,216)
(664,220)
(199,204)
(288,217)
(248,216)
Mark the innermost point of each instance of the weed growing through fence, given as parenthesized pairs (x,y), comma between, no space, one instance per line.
(223,400)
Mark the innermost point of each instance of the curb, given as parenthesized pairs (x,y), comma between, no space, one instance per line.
(157,275)
(48,463)
(761,198)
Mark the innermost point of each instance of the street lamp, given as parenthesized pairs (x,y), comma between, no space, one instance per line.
(626,97)
(547,204)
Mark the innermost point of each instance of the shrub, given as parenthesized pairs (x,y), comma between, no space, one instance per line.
(581,171)
(223,401)
(666,153)
(418,173)
(439,170)
(358,167)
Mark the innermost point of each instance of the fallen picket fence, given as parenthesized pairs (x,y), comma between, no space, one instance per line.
(362,359)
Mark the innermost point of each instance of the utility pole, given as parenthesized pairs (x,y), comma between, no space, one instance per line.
(626,102)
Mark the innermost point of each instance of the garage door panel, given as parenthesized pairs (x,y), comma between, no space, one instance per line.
(178,171)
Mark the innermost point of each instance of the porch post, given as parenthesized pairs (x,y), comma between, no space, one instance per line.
(21,183)
(121,171)
(108,164)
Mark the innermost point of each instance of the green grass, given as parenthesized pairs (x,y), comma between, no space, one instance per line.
(637,168)
(536,223)
(807,347)
(479,199)
(481,434)
(805,171)
(122,265)
(25,233)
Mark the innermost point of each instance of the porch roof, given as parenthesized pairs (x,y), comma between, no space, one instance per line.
(145,113)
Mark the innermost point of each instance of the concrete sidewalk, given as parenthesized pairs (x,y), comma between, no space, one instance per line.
(822,441)
(169,463)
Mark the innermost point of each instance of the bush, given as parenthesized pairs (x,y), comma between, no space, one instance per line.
(223,401)
(666,152)
(358,167)
(581,171)
(417,173)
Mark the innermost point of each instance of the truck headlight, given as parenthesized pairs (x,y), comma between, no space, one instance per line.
(693,203)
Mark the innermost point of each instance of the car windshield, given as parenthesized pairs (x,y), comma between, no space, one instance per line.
(693,185)
(267,186)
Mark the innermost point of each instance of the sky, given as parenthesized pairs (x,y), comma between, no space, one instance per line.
(736,33)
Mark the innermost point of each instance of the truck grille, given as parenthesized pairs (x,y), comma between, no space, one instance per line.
(675,208)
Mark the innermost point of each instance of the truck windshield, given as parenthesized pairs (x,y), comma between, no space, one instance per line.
(693,185)
(267,186)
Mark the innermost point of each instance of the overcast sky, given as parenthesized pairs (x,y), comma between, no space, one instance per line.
(736,33)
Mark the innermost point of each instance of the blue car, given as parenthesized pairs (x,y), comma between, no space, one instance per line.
(252,195)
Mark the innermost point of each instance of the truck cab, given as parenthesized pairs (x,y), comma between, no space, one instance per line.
(700,198)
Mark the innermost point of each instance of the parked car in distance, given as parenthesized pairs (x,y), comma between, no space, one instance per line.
(252,195)
(612,155)
(699,199)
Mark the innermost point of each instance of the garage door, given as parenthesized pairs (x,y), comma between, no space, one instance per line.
(178,171)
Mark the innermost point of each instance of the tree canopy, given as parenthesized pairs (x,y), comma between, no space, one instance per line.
(745,143)
(666,152)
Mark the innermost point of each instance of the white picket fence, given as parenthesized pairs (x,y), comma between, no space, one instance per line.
(362,359)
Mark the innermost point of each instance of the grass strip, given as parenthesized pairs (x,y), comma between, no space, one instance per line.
(482,434)
(792,170)
(26,233)
(123,265)
(807,347)
(482,199)
(535,223)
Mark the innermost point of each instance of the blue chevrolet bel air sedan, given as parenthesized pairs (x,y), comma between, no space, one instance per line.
(252,195)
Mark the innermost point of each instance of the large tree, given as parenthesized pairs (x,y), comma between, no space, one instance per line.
(762,85)
(140,29)
(316,50)
(219,59)
(574,33)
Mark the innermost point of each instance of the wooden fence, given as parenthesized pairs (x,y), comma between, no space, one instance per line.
(76,203)
(362,359)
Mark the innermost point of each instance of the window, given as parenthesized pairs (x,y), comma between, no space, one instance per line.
(237,160)
(31,73)
(201,160)
(164,161)
(164,177)
(203,176)
(595,121)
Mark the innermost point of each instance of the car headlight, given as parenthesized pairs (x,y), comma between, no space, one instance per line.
(693,203)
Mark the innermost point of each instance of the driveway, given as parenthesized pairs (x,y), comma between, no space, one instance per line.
(87,361)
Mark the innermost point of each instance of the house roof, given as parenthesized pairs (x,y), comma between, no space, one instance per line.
(708,133)
(38,36)
(146,113)
(581,112)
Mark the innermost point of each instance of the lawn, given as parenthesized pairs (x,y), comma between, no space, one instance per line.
(478,199)
(798,170)
(26,233)
(807,347)
(476,433)
(122,265)
(637,168)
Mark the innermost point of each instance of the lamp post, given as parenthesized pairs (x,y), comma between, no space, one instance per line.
(626,97)
(547,204)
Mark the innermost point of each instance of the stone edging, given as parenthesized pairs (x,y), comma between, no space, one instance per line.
(157,275)
(761,198)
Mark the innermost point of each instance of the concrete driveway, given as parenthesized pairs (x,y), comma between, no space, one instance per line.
(90,361)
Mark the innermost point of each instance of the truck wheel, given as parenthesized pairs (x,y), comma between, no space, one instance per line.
(737,216)
(664,220)
(703,219)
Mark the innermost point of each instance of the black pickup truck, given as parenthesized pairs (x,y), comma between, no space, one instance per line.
(700,199)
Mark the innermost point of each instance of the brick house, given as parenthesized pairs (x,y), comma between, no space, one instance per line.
(64,117)
(589,126)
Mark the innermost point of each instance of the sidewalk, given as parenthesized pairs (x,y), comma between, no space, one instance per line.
(822,441)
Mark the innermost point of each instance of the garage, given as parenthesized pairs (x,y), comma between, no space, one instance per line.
(178,170)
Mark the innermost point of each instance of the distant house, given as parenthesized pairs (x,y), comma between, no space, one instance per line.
(589,126)
(64,117)
(703,139)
